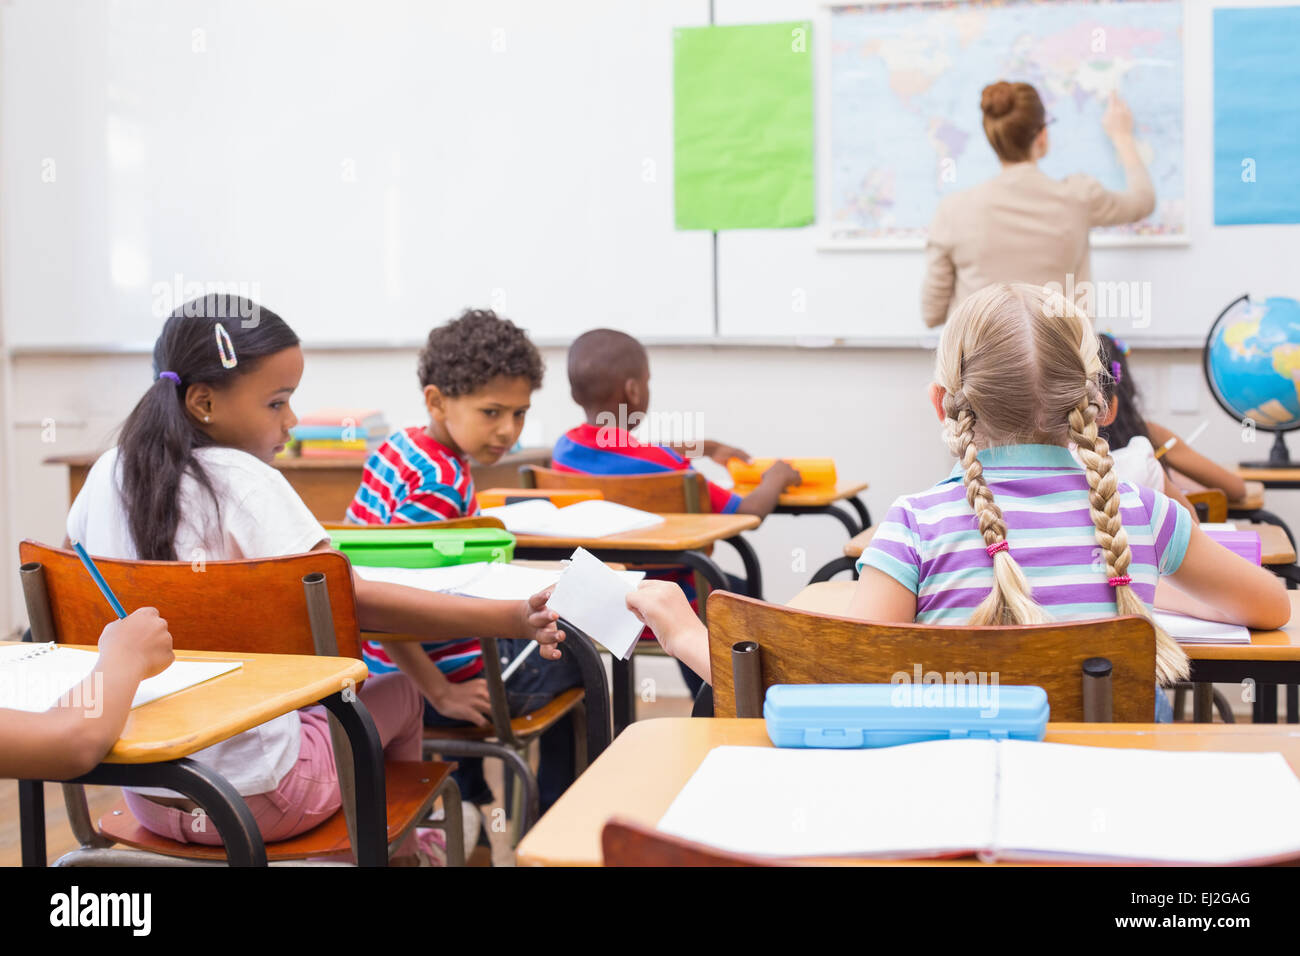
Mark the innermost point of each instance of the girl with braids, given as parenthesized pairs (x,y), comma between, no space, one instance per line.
(1021,533)
(191,479)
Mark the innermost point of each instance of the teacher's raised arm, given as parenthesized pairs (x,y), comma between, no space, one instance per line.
(1022,225)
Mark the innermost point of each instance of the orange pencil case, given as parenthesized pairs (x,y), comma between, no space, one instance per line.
(560,497)
(812,471)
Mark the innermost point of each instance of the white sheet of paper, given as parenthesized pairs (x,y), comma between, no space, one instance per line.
(1060,801)
(593,597)
(887,801)
(1218,526)
(1194,630)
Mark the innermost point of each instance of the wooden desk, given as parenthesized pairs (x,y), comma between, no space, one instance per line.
(159,734)
(1271,657)
(823,501)
(644,769)
(679,540)
(1253,501)
(328,486)
(1273,477)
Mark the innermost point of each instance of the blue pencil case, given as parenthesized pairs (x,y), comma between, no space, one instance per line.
(882,715)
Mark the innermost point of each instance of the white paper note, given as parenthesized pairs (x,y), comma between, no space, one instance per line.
(593,597)
(1194,630)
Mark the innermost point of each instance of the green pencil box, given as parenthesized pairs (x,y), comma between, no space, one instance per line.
(423,548)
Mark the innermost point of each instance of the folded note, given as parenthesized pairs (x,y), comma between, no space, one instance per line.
(593,597)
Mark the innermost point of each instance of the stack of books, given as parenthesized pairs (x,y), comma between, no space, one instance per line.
(340,433)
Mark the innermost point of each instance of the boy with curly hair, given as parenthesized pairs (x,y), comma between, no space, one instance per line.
(478,373)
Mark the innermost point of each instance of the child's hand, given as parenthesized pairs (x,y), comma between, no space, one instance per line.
(140,640)
(662,606)
(468,700)
(724,453)
(538,624)
(782,475)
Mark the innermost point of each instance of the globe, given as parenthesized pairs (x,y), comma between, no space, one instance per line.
(1252,365)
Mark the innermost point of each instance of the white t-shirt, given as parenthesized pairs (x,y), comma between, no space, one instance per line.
(261,516)
(1136,462)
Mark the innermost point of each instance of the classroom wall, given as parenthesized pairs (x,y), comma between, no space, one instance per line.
(867,408)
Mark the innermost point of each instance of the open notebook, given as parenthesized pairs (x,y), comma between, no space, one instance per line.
(1000,800)
(586,519)
(494,579)
(34,676)
(1195,630)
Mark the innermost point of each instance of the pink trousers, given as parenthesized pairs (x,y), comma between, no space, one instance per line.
(309,793)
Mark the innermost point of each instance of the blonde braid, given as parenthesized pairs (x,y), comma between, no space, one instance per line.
(1010,600)
(1103,503)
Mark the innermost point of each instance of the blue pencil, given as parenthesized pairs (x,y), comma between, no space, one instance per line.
(104,589)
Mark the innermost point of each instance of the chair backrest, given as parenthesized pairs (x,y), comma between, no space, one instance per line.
(475,521)
(250,607)
(1214,501)
(630,844)
(672,492)
(804,647)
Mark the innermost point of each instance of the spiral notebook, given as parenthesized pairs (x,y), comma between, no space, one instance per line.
(34,676)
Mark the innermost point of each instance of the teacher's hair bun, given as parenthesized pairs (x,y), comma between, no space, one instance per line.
(998,99)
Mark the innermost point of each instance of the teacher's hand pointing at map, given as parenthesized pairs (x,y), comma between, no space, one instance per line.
(1117,121)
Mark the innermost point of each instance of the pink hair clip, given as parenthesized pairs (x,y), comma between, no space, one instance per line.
(1119,580)
(995,548)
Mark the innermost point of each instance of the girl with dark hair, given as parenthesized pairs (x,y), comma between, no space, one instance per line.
(1022,225)
(191,480)
(1129,428)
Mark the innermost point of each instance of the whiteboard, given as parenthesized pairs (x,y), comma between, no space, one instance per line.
(783,284)
(365,168)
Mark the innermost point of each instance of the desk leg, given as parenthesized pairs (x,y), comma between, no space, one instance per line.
(832,568)
(1265,709)
(624,694)
(753,572)
(1203,702)
(211,791)
(31,821)
(863,514)
(1293,703)
(368,778)
(583,650)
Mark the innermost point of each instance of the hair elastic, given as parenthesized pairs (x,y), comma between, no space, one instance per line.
(225,347)
(1119,580)
(995,548)
(171,375)
(1116,372)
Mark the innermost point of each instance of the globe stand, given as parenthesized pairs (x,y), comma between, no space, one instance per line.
(1278,456)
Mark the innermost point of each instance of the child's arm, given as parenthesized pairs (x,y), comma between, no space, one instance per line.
(763,499)
(67,741)
(1173,491)
(468,700)
(880,598)
(662,606)
(1195,465)
(1240,592)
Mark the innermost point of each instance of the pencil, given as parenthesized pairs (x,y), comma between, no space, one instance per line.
(1166,446)
(100,583)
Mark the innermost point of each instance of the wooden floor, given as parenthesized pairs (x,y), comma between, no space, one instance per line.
(59,840)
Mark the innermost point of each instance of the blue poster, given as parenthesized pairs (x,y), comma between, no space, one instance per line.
(1256,115)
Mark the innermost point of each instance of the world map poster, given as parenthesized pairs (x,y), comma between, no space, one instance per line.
(906,127)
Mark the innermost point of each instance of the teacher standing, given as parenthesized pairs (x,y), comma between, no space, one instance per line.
(1022,225)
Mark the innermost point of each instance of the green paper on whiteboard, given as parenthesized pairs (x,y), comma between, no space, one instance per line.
(743,126)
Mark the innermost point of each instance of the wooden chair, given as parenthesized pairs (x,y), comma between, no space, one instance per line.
(301,604)
(508,738)
(630,844)
(803,647)
(1211,504)
(673,492)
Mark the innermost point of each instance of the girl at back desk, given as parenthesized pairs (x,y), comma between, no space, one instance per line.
(1019,532)
(191,478)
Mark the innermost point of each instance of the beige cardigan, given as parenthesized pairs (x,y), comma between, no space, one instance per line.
(1021,226)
